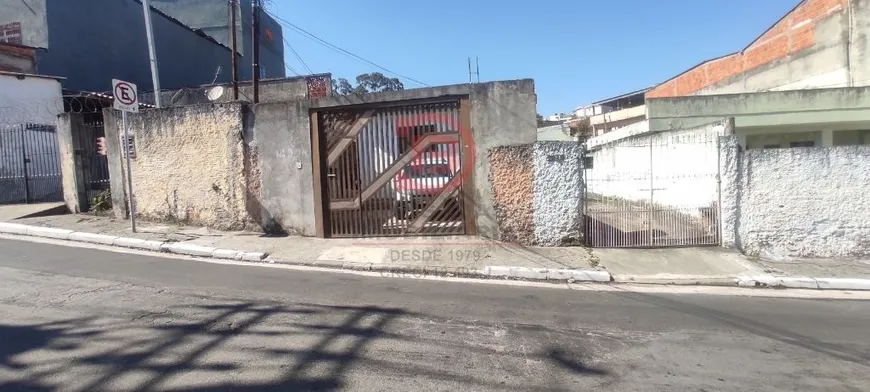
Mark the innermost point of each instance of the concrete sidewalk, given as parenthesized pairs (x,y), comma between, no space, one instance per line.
(448,256)
(460,256)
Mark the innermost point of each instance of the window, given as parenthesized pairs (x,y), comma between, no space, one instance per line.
(588,162)
(770,146)
(803,144)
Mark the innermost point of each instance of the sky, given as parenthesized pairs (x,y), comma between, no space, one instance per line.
(577,51)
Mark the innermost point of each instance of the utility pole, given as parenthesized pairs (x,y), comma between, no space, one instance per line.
(255,8)
(149,32)
(234,44)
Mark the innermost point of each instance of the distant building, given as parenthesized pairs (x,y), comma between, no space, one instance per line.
(90,42)
(212,17)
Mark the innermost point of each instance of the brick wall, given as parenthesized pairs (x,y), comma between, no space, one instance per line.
(794,33)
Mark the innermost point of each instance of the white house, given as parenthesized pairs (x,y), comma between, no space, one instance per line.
(29,99)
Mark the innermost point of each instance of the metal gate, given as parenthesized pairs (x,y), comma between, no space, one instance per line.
(393,171)
(29,164)
(659,190)
(92,157)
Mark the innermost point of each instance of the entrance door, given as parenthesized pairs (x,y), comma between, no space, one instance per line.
(393,171)
(658,190)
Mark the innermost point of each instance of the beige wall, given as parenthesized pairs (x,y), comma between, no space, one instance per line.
(187,166)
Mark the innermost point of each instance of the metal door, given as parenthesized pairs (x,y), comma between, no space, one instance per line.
(29,165)
(394,171)
(658,190)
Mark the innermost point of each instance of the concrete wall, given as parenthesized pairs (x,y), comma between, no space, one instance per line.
(274,90)
(74,190)
(800,202)
(817,109)
(537,192)
(120,50)
(30,14)
(808,48)
(270,148)
(512,184)
(558,193)
(29,99)
(502,114)
(282,144)
(188,165)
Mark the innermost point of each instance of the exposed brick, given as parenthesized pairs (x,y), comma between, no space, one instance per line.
(779,41)
(801,38)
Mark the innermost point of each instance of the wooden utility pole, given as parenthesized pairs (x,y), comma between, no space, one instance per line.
(234,44)
(255,8)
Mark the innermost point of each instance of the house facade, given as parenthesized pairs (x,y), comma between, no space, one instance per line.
(90,42)
(818,51)
(212,18)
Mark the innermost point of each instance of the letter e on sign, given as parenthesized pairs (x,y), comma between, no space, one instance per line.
(126,98)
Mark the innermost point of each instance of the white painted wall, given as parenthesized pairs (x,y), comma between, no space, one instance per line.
(557,193)
(679,166)
(29,99)
(800,202)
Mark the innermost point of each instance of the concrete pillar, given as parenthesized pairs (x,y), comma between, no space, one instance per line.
(730,186)
(827,138)
(111,122)
(69,125)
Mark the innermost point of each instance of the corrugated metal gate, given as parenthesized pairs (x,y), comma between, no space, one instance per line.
(660,190)
(393,170)
(29,164)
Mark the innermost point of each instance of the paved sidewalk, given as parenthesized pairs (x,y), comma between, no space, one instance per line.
(835,268)
(461,256)
(454,255)
(687,266)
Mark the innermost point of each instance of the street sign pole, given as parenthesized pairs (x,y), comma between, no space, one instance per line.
(129,172)
(126,99)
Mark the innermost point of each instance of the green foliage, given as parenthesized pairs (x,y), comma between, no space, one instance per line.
(102,202)
(367,83)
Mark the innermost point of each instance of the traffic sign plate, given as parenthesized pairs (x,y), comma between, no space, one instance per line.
(126,98)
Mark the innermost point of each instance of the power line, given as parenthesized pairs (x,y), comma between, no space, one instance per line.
(310,72)
(339,49)
(291,69)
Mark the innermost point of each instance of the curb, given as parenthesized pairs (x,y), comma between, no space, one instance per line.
(132,243)
(488,272)
(677,280)
(805,283)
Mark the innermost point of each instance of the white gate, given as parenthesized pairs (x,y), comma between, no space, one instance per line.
(655,190)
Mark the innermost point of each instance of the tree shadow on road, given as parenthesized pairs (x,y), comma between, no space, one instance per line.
(245,346)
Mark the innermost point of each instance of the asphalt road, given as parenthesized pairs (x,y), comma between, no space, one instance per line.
(87,320)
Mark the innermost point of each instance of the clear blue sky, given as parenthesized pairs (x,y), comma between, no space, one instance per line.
(578,51)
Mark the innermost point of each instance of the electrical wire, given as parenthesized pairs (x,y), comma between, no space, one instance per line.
(310,72)
(338,49)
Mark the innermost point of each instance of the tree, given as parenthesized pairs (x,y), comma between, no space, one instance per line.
(540,120)
(374,82)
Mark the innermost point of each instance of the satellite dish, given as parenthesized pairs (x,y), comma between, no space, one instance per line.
(215,93)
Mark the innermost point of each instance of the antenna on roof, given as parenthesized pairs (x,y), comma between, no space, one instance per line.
(471,73)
